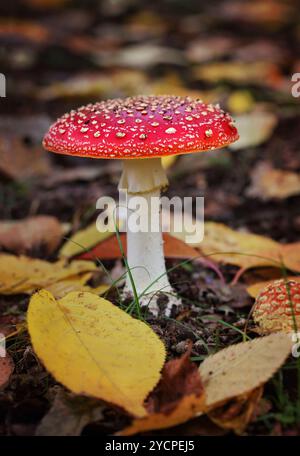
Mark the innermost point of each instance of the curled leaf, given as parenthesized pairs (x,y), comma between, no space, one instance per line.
(236,414)
(6,367)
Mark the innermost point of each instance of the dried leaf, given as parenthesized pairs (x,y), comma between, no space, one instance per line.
(145,24)
(290,254)
(68,415)
(6,368)
(241,249)
(83,240)
(10,324)
(110,249)
(23,30)
(22,236)
(143,56)
(23,135)
(238,413)
(261,73)
(209,48)
(270,183)
(100,353)
(63,287)
(270,12)
(25,275)
(177,398)
(254,129)
(246,250)
(83,85)
(28,160)
(241,368)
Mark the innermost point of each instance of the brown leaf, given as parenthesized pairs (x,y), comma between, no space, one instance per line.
(109,249)
(236,414)
(8,324)
(269,12)
(22,236)
(23,135)
(177,398)
(6,368)
(69,414)
(23,30)
(179,378)
(270,183)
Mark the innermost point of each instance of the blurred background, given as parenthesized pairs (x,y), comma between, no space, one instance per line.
(60,54)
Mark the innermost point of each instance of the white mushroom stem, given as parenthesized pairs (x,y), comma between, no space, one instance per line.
(143,180)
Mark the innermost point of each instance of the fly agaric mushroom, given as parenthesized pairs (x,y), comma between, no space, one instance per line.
(141,130)
(277,307)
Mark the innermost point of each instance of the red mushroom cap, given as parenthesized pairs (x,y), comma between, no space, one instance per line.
(141,127)
(276,305)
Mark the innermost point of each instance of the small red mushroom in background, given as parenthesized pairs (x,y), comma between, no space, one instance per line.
(277,307)
(139,131)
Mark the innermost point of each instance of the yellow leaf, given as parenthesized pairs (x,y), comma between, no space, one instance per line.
(240,101)
(187,408)
(246,250)
(94,348)
(82,85)
(241,249)
(90,236)
(83,240)
(264,73)
(60,289)
(25,275)
(243,367)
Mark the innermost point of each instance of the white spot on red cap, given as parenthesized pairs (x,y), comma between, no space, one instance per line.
(160,121)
